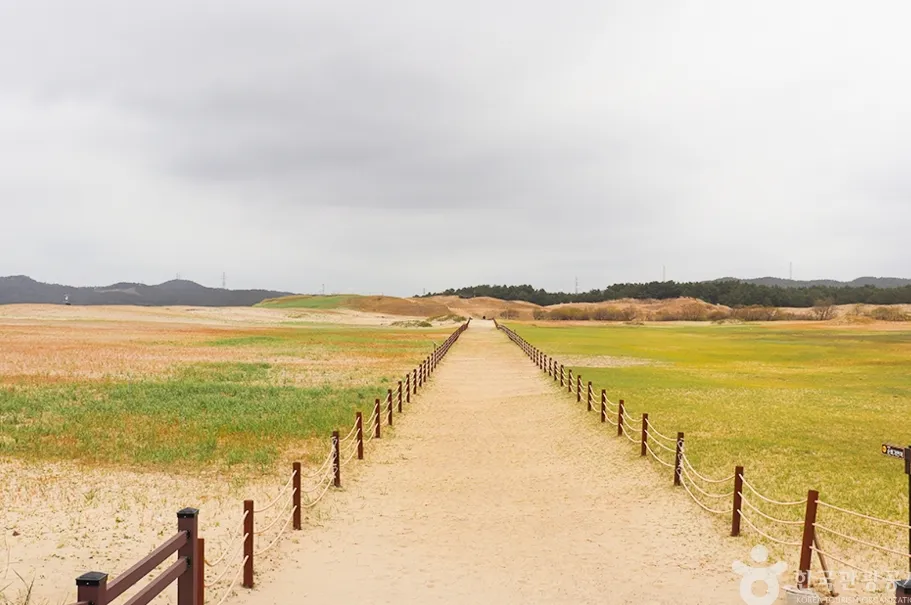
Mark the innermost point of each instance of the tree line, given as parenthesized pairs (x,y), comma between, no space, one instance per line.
(732,293)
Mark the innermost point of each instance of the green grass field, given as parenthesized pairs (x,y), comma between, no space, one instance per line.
(234,397)
(307,302)
(799,406)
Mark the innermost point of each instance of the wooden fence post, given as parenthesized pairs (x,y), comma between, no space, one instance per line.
(296,495)
(578,388)
(248,544)
(569,383)
(92,587)
(678,459)
(379,418)
(187,591)
(644,434)
(806,547)
(588,396)
(555,369)
(414,381)
(337,459)
(603,406)
(620,419)
(389,409)
(738,500)
(359,432)
(408,387)
(201,572)
(562,376)
(400,396)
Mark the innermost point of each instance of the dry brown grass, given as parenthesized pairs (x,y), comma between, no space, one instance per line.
(390,305)
(53,345)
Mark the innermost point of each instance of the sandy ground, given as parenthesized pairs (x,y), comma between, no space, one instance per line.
(496,489)
(214,316)
(61,520)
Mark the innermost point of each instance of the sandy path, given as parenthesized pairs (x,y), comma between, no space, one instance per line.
(496,489)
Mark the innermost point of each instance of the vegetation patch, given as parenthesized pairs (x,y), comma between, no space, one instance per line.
(800,406)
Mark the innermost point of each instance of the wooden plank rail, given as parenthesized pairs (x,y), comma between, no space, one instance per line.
(127,579)
(93,588)
(155,587)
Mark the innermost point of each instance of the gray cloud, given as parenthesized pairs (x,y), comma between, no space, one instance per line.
(411,145)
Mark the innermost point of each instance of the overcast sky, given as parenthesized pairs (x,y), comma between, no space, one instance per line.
(396,146)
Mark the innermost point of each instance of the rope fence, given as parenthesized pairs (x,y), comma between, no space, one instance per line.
(748,506)
(302,490)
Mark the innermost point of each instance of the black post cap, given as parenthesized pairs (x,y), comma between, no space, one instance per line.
(92,578)
(903,586)
(187,513)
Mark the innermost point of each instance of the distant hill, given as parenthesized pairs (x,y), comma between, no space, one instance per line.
(22,289)
(876,282)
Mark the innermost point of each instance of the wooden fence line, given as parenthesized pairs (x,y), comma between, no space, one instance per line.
(809,541)
(188,571)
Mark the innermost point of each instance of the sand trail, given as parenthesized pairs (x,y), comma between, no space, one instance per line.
(496,488)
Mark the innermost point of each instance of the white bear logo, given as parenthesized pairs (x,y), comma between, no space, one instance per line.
(751,575)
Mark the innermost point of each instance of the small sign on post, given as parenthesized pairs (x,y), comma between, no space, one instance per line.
(894,451)
(903,453)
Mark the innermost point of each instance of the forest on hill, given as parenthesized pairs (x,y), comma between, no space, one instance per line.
(729,292)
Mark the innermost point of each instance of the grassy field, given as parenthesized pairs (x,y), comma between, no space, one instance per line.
(308,302)
(800,406)
(175,394)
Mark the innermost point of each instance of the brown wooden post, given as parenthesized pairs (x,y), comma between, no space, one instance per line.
(379,418)
(201,572)
(359,433)
(569,382)
(562,376)
(644,434)
(187,591)
(248,544)
(603,406)
(414,381)
(555,369)
(806,547)
(678,459)
(337,459)
(620,419)
(389,395)
(408,387)
(389,410)
(296,493)
(589,396)
(578,388)
(400,396)
(738,501)
(92,588)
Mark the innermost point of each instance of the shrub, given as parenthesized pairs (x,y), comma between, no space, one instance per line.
(613,314)
(755,313)
(540,314)
(719,314)
(509,314)
(889,314)
(824,310)
(570,314)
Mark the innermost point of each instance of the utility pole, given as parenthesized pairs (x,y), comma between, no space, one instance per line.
(224,281)
(577,285)
(323,290)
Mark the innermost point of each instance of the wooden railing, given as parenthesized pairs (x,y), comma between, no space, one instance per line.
(188,570)
(93,587)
